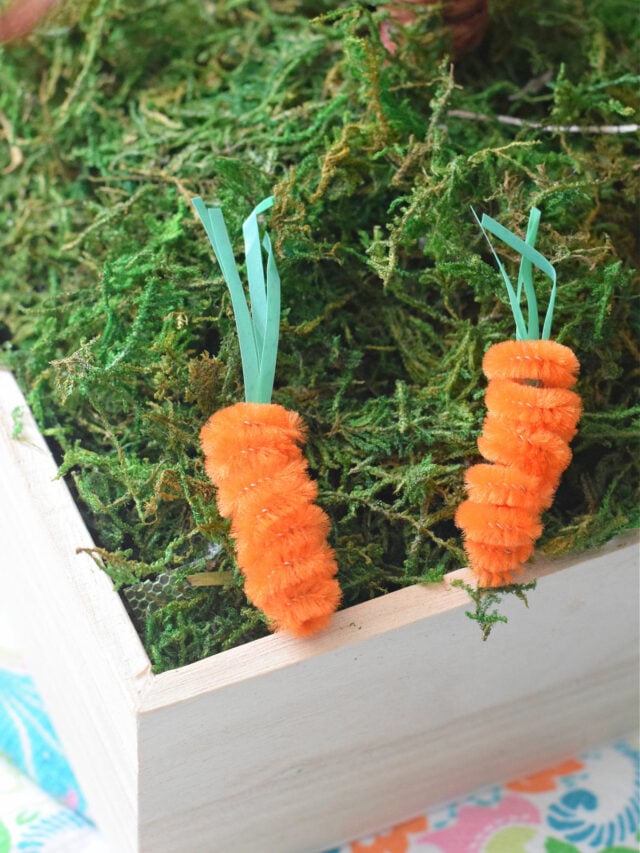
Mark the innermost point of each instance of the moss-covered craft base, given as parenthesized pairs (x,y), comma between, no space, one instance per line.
(119,326)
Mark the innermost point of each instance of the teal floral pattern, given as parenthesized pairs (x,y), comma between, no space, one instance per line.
(28,739)
(584,815)
(33,822)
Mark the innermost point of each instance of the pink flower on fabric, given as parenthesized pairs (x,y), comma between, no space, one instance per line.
(476,827)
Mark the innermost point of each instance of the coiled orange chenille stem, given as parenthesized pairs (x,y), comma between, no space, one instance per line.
(531,417)
(253,457)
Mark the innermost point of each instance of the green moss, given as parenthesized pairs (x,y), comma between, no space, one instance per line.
(119,327)
(486,599)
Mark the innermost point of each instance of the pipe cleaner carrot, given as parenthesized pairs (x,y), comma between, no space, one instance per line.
(532,416)
(253,455)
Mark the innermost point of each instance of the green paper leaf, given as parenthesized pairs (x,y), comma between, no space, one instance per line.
(269,353)
(521,328)
(258,327)
(525,275)
(255,274)
(530,257)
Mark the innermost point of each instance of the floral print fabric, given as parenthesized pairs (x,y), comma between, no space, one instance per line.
(33,822)
(585,805)
(27,738)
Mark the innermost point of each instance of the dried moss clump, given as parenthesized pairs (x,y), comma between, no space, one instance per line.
(119,326)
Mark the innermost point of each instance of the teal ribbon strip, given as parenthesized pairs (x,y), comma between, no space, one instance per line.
(258,327)
(530,258)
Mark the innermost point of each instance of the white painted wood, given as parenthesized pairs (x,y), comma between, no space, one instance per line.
(80,644)
(283,745)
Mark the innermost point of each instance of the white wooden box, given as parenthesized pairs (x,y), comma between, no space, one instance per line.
(283,745)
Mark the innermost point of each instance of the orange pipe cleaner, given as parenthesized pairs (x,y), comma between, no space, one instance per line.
(526,437)
(532,416)
(254,459)
(253,456)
